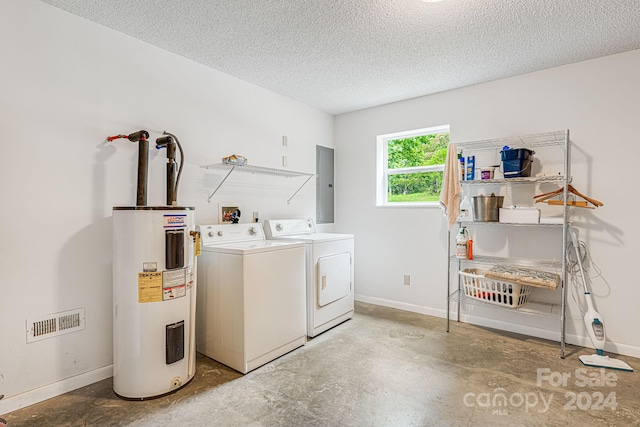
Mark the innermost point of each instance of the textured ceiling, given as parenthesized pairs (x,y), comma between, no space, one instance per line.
(346,55)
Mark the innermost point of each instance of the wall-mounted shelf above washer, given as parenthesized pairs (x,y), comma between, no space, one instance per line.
(229,168)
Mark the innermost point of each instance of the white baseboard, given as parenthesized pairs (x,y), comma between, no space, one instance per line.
(582,341)
(40,394)
(401,306)
(610,347)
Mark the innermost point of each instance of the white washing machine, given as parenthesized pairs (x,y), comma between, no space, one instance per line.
(251,300)
(329,271)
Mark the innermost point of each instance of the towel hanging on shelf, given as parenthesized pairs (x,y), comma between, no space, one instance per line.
(451,191)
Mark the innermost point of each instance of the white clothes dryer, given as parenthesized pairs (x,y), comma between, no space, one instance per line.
(251,300)
(329,271)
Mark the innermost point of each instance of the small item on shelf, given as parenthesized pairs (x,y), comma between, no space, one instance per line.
(461,243)
(548,174)
(524,276)
(466,214)
(516,162)
(551,220)
(487,172)
(235,159)
(487,208)
(471,165)
(519,215)
(470,248)
(462,171)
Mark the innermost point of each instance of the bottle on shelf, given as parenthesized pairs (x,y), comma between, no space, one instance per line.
(461,243)
(466,213)
(471,168)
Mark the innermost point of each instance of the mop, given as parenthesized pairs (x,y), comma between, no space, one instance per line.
(595,325)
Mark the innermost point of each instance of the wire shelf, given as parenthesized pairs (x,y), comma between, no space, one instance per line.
(513,224)
(541,264)
(528,141)
(229,168)
(518,180)
(534,308)
(555,141)
(256,169)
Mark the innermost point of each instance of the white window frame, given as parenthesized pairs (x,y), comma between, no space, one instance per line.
(382,172)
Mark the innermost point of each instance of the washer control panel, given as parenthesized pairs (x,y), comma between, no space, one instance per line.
(224,233)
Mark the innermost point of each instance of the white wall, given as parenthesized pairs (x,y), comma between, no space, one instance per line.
(597,100)
(66,84)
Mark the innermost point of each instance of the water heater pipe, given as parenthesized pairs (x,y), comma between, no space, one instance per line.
(169,141)
(141,137)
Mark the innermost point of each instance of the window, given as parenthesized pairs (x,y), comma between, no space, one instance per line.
(411,166)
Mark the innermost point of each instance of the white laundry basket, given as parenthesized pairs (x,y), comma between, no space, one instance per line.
(498,292)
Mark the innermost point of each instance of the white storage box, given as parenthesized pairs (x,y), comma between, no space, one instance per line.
(551,220)
(519,215)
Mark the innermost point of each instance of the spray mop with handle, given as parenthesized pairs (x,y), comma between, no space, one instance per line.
(594,324)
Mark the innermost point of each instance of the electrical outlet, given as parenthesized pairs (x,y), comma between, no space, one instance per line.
(407,279)
(284,161)
(285,140)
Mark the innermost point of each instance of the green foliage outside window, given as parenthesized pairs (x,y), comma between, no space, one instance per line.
(424,150)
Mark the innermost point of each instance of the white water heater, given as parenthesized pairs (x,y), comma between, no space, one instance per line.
(154,298)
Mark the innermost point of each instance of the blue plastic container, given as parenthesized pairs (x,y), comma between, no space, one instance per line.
(516,162)
(471,168)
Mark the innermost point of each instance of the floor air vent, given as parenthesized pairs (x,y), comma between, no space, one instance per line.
(54,325)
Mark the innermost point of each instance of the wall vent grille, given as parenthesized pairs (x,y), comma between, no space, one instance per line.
(54,325)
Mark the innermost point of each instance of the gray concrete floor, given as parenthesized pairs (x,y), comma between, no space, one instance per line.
(384,367)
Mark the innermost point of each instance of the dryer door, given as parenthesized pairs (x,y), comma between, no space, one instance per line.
(333,279)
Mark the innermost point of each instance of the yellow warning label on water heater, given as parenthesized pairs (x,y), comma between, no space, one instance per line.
(150,286)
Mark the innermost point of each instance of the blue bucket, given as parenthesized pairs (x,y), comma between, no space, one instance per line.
(516,162)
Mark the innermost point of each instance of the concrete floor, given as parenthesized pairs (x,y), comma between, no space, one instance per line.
(384,367)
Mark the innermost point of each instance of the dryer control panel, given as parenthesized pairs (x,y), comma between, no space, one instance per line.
(288,227)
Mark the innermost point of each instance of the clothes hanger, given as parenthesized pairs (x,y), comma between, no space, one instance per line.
(570,189)
(587,198)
